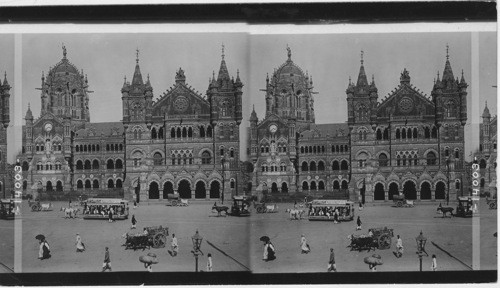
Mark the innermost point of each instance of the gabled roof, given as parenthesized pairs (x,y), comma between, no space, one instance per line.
(324,130)
(402,90)
(98,129)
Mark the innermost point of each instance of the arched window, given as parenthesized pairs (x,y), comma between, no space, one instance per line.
(346,148)
(482,183)
(341,149)
(95,184)
(119,183)
(88,185)
(403,133)
(26,166)
(119,164)
(386,134)
(344,165)
(312,166)
(457,184)
(427,133)
(97,147)
(184,132)
(408,133)
(302,149)
(139,134)
(336,185)
(307,149)
(305,186)
(415,133)
(232,184)
(157,159)
(79,165)
(93,147)
(95,164)
(434,132)
(172,133)
(202,131)
(313,185)
(221,151)
(305,167)
(398,161)
(153,133)
(382,160)
(79,184)
(482,164)
(431,158)
(111,184)
(345,184)
(178,134)
(360,135)
(59,186)
(110,164)
(446,152)
(87,165)
(457,154)
(398,134)
(379,134)
(84,148)
(190,132)
(160,134)
(231,153)
(205,157)
(321,185)
(112,147)
(314,149)
(76,147)
(321,166)
(335,165)
(209,131)
(362,158)
(404,160)
(379,193)
(107,147)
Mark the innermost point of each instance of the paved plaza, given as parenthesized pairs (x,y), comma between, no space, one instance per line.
(238,238)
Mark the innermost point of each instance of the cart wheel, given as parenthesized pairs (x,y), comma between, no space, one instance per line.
(159,240)
(493,205)
(384,242)
(34,208)
(174,202)
(260,210)
(399,204)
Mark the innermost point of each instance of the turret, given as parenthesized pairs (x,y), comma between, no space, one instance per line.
(4,101)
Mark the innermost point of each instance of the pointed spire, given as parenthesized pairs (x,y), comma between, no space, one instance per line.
(223,73)
(447,52)
(362,81)
(238,80)
(5,82)
(438,78)
(462,80)
(137,55)
(29,114)
(253,115)
(64,51)
(223,51)
(137,79)
(486,112)
(267,77)
(447,73)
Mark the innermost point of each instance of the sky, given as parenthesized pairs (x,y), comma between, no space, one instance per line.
(329,58)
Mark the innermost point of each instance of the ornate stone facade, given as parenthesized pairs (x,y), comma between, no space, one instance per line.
(487,153)
(407,142)
(177,143)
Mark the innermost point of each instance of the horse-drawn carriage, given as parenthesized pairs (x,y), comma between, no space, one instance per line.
(266,208)
(37,206)
(155,236)
(464,207)
(401,201)
(492,203)
(176,200)
(377,238)
(240,206)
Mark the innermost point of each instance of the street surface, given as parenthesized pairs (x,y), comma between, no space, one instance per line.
(239,239)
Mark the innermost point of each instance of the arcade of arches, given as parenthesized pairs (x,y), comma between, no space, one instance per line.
(410,191)
(184,188)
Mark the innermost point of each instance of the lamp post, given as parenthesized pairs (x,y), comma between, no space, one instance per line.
(448,177)
(421,240)
(197,239)
(222,163)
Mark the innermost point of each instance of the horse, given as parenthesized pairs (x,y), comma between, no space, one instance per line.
(295,213)
(70,212)
(445,210)
(219,209)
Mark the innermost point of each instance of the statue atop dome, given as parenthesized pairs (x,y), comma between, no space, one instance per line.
(289,51)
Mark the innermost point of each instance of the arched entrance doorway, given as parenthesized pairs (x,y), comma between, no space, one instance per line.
(425,191)
(410,190)
(274,188)
(168,188)
(154,193)
(200,191)
(305,186)
(379,193)
(393,190)
(49,187)
(215,189)
(284,188)
(440,190)
(184,189)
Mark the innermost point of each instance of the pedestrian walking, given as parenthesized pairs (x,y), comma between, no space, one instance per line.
(44,251)
(133,222)
(269,252)
(303,245)
(331,263)
(360,206)
(110,214)
(434,263)
(80,246)
(135,204)
(359,224)
(209,262)
(174,245)
(399,246)
(107,261)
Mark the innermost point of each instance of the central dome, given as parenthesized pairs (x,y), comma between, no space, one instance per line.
(64,66)
(289,69)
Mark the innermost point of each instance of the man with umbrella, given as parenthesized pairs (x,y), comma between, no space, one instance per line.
(373,261)
(44,251)
(268,249)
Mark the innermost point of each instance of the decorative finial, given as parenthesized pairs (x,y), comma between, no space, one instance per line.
(29,105)
(237,73)
(64,50)
(362,53)
(137,55)
(223,51)
(373,78)
(447,51)
(486,104)
(349,80)
(125,79)
(462,73)
(289,51)
(148,77)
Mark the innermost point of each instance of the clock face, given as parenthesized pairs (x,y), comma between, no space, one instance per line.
(273,128)
(181,104)
(48,127)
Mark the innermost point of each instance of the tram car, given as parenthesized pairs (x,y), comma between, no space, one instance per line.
(324,210)
(7,209)
(240,207)
(98,208)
